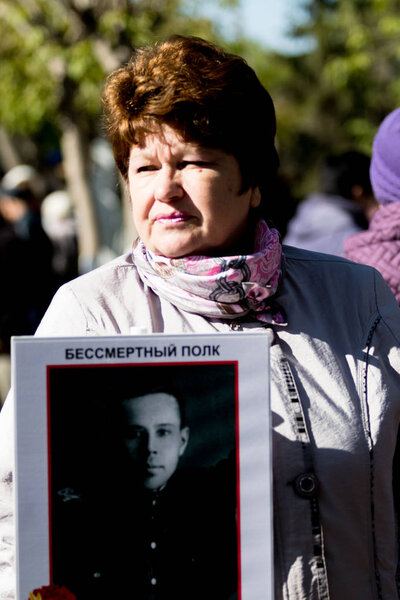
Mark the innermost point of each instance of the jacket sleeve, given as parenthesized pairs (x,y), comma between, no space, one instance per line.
(388,309)
(390,313)
(65,317)
(7,543)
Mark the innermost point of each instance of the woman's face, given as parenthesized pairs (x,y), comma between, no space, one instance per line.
(185,198)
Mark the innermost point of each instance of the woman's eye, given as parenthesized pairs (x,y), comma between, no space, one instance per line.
(146,168)
(195,163)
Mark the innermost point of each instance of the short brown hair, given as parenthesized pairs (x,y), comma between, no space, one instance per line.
(208,95)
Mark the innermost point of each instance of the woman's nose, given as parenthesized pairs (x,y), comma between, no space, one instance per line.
(168,185)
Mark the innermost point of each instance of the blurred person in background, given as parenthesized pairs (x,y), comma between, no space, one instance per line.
(193,134)
(27,279)
(379,246)
(341,208)
(59,223)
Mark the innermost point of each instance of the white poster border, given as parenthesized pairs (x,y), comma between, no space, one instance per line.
(32,358)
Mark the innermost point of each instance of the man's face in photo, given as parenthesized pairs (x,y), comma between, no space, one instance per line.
(154,437)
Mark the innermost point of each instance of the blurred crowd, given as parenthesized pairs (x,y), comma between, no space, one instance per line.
(38,252)
(341,206)
(356,211)
(39,241)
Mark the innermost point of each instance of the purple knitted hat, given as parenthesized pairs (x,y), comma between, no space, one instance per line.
(385,162)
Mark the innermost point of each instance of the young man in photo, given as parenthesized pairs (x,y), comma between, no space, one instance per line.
(154,436)
(151,529)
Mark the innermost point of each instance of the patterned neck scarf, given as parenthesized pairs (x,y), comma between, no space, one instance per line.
(224,287)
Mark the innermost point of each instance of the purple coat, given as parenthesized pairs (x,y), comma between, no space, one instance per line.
(379,246)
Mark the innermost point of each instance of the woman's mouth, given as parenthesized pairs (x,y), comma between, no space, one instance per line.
(173,218)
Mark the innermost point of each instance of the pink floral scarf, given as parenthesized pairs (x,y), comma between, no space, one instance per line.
(226,287)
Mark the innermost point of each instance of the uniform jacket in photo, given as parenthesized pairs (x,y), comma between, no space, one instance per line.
(178,542)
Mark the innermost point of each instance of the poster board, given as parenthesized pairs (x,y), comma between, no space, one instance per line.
(74,468)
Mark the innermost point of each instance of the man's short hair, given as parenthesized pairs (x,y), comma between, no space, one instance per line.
(161,389)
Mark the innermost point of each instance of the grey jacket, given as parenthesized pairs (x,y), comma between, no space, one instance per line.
(335,395)
(322,222)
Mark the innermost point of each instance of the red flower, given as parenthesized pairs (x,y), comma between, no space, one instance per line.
(52,592)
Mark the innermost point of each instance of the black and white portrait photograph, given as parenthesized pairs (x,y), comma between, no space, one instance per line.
(143,484)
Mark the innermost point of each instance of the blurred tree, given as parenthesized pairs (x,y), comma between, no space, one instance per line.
(334,97)
(55,56)
(57,53)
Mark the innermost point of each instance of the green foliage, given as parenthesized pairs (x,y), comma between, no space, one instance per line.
(335,97)
(22,83)
(56,54)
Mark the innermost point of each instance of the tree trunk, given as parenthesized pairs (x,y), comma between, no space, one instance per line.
(9,156)
(75,165)
(129,229)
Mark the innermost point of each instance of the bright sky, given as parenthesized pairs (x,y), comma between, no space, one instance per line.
(266,21)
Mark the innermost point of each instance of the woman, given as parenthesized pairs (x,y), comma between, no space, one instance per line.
(193,135)
(379,247)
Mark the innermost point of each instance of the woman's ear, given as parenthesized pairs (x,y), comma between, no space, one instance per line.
(255,198)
